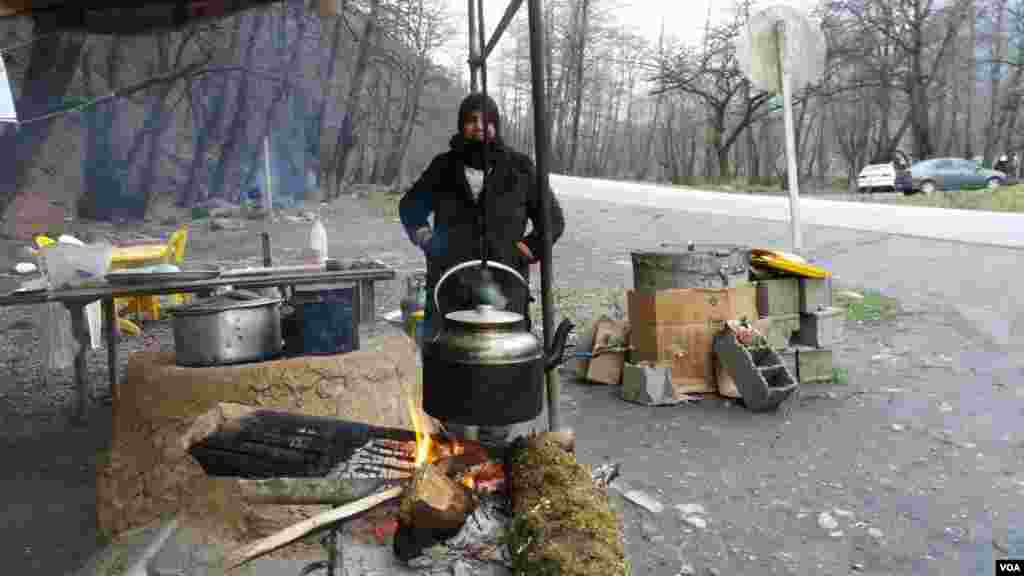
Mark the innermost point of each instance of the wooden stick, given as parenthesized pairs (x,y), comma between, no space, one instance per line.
(253,550)
(307,491)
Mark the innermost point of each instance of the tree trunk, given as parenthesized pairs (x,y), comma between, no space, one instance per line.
(401,144)
(208,131)
(327,94)
(972,79)
(993,131)
(346,136)
(51,68)
(581,39)
(230,156)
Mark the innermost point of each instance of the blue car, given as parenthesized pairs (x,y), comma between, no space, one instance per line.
(953,174)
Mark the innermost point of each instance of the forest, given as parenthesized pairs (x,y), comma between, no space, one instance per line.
(114,126)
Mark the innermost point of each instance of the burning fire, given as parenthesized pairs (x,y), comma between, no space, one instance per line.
(485,475)
(423,440)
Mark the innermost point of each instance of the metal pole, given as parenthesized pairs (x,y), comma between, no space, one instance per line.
(268,194)
(540,146)
(787,119)
(472,46)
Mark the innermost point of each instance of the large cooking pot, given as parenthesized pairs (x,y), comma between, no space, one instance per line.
(230,328)
(484,368)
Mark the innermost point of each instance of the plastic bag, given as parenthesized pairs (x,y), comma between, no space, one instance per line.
(71,262)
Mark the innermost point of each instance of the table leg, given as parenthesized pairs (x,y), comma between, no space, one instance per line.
(367,305)
(113,365)
(81,343)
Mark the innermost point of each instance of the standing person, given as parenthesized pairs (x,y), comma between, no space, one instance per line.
(455,190)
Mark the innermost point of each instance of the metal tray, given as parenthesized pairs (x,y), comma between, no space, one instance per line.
(127,277)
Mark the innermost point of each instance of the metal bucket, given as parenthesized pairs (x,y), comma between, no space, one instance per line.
(701,266)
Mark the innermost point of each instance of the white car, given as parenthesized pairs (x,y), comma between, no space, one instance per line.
(883,177)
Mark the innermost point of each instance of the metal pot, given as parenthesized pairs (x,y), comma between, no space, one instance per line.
(231,328)
(484,368)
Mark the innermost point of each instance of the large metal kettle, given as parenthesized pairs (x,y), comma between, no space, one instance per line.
(485,368)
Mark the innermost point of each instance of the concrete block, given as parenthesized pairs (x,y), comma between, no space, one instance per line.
(822,328)
(815,294)
(778,330)
(815,365)
(778,296)
(648,384)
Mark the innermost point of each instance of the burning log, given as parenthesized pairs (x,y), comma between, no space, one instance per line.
(433,508)
(562,523)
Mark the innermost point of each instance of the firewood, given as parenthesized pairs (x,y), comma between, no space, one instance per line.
(253,550)
(307,491)
(433,509)
(562,522)
(433,501)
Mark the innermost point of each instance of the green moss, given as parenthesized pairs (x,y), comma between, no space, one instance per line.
(563,524)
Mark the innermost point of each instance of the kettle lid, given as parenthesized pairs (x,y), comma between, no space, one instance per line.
(485,315)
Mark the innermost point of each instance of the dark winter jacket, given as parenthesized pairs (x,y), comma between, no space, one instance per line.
(511,198)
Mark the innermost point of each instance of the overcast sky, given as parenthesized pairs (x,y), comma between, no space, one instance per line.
(683,19)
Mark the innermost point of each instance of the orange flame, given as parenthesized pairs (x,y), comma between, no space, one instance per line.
(423,439)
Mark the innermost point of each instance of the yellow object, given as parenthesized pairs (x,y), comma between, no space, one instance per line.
(787,263)
(141,255)
(44,241)
(126,326)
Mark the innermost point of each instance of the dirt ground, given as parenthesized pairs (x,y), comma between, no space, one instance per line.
(914,466)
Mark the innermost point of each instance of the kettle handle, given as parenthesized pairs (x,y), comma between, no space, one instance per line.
(470,264)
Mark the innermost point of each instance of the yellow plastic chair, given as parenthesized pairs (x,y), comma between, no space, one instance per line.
(173,252)
(125,325)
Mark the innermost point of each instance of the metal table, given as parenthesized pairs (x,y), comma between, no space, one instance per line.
(75,299)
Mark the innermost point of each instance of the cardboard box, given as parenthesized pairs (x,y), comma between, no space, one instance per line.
(821,329)
(778,330)
(607,367)
(815,294)
(778,296)
(692,305)
(687,347)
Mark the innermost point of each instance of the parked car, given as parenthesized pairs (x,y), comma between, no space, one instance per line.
(884,177)
(953,174)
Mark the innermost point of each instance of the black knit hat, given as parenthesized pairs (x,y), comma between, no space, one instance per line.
(477,102)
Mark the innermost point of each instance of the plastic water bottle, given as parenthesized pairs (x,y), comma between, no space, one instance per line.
(318,241)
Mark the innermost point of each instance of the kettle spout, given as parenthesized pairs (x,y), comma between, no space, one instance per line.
(556,355)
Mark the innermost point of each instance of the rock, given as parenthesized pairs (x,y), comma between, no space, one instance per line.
(638,497)
(827,522)
(876,533)
(690,509)
(898,428)
(836,534)
(945,407)
(226,224)
(843,513)
(697,522)
(687,570)
(857,567)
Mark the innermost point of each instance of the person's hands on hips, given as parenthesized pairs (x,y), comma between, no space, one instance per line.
(526,252)
(423,237)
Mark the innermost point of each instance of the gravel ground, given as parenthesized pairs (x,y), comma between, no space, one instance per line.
(913,467)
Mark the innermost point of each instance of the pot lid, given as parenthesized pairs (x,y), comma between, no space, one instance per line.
(236,300)
(485,315)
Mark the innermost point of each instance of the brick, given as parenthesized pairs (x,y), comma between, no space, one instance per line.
(821,329)
(778,296)
(815,294)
